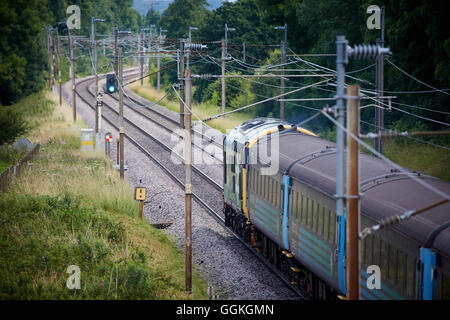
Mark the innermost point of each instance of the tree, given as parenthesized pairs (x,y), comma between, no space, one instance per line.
(181,14)
(23,57)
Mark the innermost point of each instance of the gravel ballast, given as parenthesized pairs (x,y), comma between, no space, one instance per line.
(220,259)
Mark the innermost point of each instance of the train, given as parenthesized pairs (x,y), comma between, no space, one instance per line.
(281,200)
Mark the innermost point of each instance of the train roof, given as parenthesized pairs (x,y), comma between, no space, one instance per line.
(385,191)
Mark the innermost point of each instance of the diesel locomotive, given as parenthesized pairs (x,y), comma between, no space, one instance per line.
(282,201)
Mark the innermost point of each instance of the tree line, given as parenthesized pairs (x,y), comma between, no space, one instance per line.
(415,33)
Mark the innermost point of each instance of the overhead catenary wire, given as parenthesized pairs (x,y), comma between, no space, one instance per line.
(379,155)
(262,101)
(408,136)
(414,78)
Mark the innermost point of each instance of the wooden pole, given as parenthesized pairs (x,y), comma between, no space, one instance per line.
(188,188)
(353,272)
(141,208)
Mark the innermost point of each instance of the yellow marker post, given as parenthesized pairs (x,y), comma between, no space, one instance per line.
(139,195)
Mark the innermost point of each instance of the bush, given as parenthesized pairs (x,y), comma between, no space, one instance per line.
(12,123)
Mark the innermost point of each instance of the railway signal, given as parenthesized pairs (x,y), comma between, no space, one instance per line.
(108,140)
(111,83)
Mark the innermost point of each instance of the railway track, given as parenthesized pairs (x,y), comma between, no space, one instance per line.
(170,124)
(206,191)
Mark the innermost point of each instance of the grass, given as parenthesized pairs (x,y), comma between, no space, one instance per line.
(202,110)
(420,157)
(70,208)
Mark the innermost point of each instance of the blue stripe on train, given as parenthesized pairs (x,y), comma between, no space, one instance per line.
(379,292)
(285,211)
(428,260)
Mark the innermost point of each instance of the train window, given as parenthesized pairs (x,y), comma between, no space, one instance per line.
(266,187)
(260,184)
(234,184)
(332,226)
(233,163)
(410,275)
(272,191)
(326,223)
(291,201)
(304,209)
(320,219)
(253,179)
(368,250)
(256,182)
(392,274)
(277,195)
(376,251)
(383,259)
(401,270)
(310,211)
(269,193)
(314,217)
(298,206)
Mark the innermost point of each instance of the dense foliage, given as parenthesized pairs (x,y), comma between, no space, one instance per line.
(415,32)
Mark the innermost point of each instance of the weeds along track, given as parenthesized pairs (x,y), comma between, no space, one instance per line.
(205,190)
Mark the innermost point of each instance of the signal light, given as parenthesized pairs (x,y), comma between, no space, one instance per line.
(111,83)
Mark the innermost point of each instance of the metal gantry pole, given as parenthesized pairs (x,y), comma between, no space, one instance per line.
(379,82)
(116,31)
(223,76)
(141,56)
(343,51)
(283,61)
(158,64)
(96,93)
(72,71)
(181,82)
(121,124)
(353,227)
(188,187)
(53,60)
(59,68)
(92,43)
(96,68)
(341,59)
(47,42)
(379,110)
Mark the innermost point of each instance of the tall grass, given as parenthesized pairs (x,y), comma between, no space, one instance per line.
(70,208)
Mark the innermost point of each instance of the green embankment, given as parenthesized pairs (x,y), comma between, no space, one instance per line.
(70,208)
